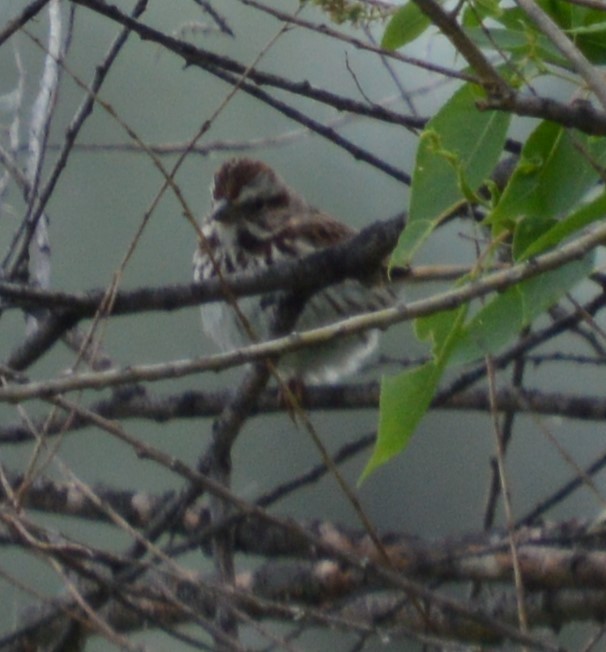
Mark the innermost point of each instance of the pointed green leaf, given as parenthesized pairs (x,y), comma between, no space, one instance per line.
(542,185)
(529,230)
(460,142)
(439,330)
(405,26)
(404,400)
(591,212)
(406,397)
(506,315)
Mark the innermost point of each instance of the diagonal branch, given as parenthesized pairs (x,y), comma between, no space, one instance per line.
(29,12)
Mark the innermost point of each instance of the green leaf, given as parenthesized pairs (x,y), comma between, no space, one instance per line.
(529,230)
(552,176)
(596,28)
(561,12)
(522,44)
(488,8)
(506,315)
(437,330)
(406,397)
(405,26)
(404,400)
(586,26)
(476,11)
(459,143)
(593,44)
(517,20)
(591,212)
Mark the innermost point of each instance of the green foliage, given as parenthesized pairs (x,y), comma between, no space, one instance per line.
(586,27)
(497,26)
(406,397)
(407,24)
(573,223)
(550,196)
(542,187)
(529,50)
(498,323)
(457,152)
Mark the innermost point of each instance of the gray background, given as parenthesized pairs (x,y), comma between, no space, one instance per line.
(438,486)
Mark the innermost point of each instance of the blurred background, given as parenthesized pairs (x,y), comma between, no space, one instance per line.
(438,486)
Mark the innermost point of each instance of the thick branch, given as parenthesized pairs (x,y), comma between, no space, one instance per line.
(367,249)
(364,251)
(193,404)
(581,114)
(555,558)
(449,300)
(490,79)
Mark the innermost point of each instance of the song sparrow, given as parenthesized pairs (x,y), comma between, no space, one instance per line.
(257,221)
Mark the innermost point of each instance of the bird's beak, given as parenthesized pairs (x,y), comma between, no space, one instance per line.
(222,211)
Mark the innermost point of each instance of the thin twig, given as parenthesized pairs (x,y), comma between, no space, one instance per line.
(505,492)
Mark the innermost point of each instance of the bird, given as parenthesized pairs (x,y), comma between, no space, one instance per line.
(256,222)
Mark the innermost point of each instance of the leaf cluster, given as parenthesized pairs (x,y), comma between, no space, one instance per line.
(554,192)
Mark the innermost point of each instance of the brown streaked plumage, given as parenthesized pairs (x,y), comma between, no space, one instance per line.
(257,221)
